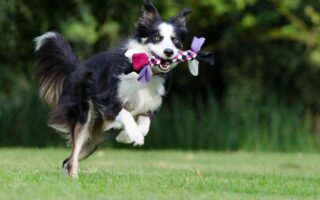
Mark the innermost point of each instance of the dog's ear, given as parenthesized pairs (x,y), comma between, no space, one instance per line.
(149,14)
(181,18)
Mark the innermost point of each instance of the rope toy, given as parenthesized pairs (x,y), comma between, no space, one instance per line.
(142,64)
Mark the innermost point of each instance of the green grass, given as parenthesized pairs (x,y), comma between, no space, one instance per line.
(124,174)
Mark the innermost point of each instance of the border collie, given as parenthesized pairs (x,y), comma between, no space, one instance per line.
(93,97)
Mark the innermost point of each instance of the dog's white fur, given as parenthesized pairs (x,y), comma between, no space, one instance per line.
(144,124)
(167,32)
(130,127)
(139,98)
(133,46)
(39,41)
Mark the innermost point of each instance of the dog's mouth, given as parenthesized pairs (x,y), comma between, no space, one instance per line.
(164,63)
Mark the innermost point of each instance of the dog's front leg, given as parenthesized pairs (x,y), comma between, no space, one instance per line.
(144,122)
(131,129)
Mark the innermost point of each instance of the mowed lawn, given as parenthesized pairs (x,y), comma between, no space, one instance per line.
(135,174)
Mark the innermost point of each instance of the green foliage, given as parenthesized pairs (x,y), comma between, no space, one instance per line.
(269,126)
(263,91)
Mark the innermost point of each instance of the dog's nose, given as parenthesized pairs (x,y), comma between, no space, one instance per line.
(168,52)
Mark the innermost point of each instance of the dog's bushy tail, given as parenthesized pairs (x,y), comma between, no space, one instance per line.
(56,62)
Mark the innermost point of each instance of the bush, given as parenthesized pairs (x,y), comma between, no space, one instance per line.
(262,92)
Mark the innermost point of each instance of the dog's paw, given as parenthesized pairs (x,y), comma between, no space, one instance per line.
(74,175)
(135,136)
(144,124)
(144,130)
(130,127)
(69,170)
(123,137)
(65,167)
(138,140)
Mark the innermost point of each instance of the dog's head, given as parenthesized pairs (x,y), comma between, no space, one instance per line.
(161,38)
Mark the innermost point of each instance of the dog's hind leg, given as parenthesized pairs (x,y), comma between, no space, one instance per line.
(81,135)
(90,147)
(97,137)
(87,149)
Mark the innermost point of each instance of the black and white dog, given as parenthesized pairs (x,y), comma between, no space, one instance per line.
(93,97)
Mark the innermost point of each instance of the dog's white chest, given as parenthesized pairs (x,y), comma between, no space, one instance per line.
(138,97)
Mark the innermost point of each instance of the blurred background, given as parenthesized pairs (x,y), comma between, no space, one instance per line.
(262,94)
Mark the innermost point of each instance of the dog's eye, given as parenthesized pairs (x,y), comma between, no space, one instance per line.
(157,38)
(175,40)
